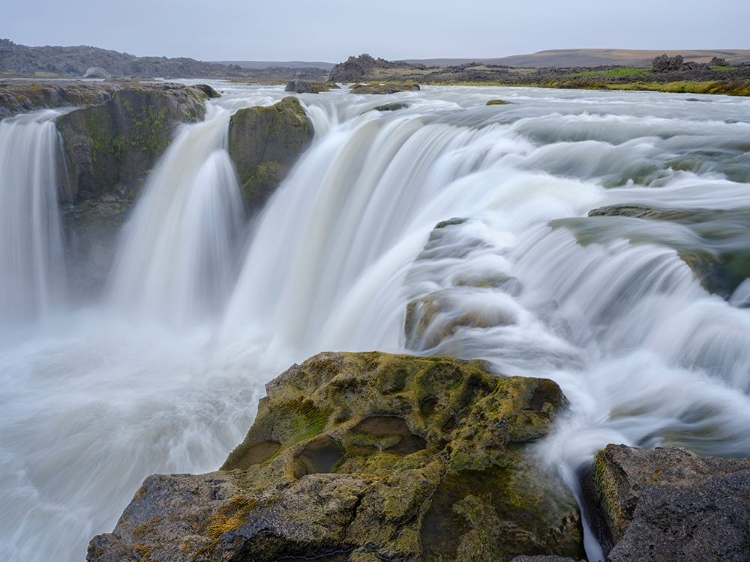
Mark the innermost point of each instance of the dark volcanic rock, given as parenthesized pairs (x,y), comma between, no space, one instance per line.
(264,143)
(391,107)
(366,457)
(670,504)
(665,63)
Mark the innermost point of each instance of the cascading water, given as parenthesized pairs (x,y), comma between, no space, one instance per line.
(176,257)
(32,279)
(606,306)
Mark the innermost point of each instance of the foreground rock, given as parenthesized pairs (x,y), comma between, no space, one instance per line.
(264,143)
(365,457)
(670,504)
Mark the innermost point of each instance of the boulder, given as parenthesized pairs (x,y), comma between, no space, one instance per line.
(97,72)
(365,457)
(497,102)
(670,504)
(716,61)
(307,87)
(382,89)
(264,143)
(391,107)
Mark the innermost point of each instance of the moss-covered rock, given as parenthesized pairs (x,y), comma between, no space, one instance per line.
(264,143)
(308,87)
(368,456)
(497,102)
(109,148)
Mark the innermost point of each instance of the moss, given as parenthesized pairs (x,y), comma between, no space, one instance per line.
(230,516)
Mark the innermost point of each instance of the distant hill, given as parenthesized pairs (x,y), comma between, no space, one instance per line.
(568,58)
(259,65)
(20,60)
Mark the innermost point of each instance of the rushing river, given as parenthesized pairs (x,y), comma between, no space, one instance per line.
(202,309)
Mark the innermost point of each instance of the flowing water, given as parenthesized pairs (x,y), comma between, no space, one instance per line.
(164,375)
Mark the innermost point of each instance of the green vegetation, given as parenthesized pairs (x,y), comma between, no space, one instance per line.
(723,68)
(626,71)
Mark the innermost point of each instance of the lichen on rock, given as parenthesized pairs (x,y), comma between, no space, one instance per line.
(368,456)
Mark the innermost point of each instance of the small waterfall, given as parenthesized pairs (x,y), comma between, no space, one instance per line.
(175,258)
(31,249)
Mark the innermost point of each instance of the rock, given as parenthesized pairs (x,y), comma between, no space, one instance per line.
(497,102)
(382,89)
(670,504)
(264,143)
(435,317)
(307,87)
(97,72)
(208,90)
(366,457)
(108,149)
(665,63)
(391,107)
(716,61)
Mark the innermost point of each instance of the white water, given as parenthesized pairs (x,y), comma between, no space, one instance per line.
(31,265)
(93,402)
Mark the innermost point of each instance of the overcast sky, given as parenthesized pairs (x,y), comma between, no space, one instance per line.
(331,30)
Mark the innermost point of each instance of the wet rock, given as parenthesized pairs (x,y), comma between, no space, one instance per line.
(723,262)
(365,457)
(264,143)
(382,89)
(391,107)
(670,504)
(307,87)
(497,102)
(109,148)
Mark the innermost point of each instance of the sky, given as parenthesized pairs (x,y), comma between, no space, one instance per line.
(331,30)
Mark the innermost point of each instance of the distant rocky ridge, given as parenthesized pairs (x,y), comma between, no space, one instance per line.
(74,62)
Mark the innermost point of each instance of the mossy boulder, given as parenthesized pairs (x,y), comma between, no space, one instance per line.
(669,504)
(497,102)
(391,107)
(307,87)
(264,143)
(368,456)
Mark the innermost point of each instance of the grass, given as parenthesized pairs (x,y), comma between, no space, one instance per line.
(626,71)
(723,68)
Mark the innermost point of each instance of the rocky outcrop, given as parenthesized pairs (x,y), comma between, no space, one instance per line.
(307,87)
(108,149)
(264,143)
(382,89)
(665,63)
(20,97)
(365,457)
(670,504)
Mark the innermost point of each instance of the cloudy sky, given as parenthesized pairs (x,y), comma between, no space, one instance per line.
(330,30)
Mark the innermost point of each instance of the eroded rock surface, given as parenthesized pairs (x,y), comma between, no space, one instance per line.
(368,456)
(670,504)
(264,143)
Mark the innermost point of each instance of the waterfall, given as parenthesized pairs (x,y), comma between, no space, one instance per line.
(606,306)
(33,275)
(175,259)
